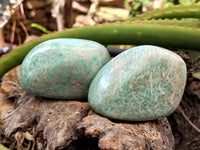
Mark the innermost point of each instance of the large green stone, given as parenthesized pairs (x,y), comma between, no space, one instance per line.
(62,68)
(142,83)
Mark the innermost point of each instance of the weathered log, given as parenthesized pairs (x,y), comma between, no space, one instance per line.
(56,119)
(61,122)
(128,135)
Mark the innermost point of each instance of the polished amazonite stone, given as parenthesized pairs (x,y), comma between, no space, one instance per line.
(62,68)
(142,83)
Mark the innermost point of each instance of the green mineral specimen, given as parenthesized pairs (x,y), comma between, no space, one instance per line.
(142,83)
(62,68)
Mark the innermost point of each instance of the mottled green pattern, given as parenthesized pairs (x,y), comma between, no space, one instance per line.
(142,83)
(62,68)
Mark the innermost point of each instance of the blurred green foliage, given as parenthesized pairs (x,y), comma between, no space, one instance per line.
(175,2)
(135,6)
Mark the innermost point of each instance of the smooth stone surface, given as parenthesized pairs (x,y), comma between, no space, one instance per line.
(142,83)
(62,68)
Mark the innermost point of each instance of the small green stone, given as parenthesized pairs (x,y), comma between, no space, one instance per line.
(62,68)
(142,83)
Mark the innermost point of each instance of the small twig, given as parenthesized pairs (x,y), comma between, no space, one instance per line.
(58,13)
(22,10)
(10,82)
(34,135)
(24,28)
(93,8)
(2,38)
(19,39)
(186,118)
(13,32)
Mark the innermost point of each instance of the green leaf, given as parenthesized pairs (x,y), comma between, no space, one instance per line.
(192,54)
(136,6)
(186,2)
(39,27)
(196,75)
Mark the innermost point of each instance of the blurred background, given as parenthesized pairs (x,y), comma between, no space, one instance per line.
(24,20)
